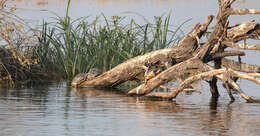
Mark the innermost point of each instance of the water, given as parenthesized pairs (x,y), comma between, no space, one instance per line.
(182,10)
(57,110)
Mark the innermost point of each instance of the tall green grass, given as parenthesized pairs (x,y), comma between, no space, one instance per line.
(75,46)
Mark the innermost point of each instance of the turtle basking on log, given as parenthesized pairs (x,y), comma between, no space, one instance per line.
(151,73)
(80,78)
(189,55)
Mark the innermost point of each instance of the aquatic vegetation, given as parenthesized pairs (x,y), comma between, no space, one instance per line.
(78,45)
(18,64)
(66,47)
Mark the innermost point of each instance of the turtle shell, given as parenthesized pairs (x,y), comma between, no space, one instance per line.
(78,79)
(94,72)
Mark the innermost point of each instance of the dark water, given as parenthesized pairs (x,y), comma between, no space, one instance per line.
(58,110)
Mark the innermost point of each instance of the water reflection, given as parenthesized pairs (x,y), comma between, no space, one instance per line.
(58,110)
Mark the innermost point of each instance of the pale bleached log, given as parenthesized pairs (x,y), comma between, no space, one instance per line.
(241,46)
(239,11)
(166,76)
(131,68)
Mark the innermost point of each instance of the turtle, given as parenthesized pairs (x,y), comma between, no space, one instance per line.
(80,78)
(93,72)
(150,73)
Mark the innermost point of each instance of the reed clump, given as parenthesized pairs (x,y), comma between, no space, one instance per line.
(79,45)
(66,47)
(19,65)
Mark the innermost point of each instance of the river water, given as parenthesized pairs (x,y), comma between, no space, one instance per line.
(181,10)
(58,110)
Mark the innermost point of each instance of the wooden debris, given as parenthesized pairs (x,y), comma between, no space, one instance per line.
(192,55)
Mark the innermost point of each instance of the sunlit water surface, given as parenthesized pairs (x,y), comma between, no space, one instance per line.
(58,110)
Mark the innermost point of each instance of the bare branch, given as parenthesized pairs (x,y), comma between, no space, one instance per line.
(194,27)
(211,73)
(202,28)
(244,76)
(229,91)
(192,79)
(232,84)
(228,53)
(256,75)
(225,3)
(249,68)
(166,76)
(237,88)
(187,83)
(241,46)
(238,11)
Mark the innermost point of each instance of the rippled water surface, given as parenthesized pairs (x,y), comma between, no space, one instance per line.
(58,110)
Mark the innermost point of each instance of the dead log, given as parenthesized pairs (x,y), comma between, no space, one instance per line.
(133,67)
(222,74)
(176,70)
(191,55)
(212,47)
(166,76)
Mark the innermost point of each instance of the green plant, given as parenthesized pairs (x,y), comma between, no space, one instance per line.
(76,46)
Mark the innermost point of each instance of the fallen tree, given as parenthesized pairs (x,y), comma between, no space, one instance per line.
(191,55)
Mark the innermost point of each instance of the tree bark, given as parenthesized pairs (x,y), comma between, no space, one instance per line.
(133,67)
(191,55)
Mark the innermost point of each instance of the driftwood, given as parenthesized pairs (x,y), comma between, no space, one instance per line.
(133,67)
(190,55)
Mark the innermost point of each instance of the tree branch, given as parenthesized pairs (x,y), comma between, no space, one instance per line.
(249,68)
(239,11)
(166,76)
(186,84)
(228,53)
(192,79)
(241,46)
(232,84)
(219,73)
(251,77)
